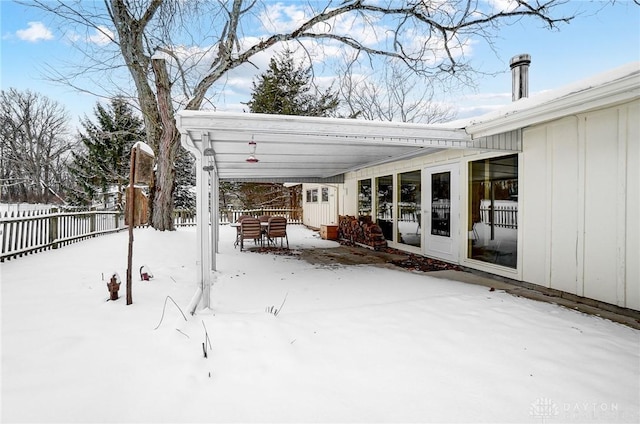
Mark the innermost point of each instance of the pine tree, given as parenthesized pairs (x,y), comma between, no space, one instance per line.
(101,168)
(184,193)
(286,89)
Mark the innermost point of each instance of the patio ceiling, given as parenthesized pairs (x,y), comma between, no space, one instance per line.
(305,149)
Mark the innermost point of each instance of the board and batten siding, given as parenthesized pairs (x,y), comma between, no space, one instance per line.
(580,193)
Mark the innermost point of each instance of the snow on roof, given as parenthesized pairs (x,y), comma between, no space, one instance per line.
(568,93)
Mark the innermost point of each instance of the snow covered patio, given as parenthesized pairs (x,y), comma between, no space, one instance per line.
(349,344)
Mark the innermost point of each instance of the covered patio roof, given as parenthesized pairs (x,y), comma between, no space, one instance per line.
(309,149)
(299,149)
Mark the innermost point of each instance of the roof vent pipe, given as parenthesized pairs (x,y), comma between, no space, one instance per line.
(520,76)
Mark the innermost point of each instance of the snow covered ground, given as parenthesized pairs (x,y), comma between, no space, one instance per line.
(350,344)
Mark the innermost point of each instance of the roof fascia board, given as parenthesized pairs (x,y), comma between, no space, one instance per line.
(339,178)
(254,124)
(303,137)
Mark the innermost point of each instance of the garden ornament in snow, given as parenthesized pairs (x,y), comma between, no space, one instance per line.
(145,273)
(114,286)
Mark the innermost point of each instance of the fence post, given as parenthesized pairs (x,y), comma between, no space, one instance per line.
(3,236)
(92,223)
(53,228)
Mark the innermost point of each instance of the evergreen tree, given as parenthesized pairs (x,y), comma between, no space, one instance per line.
(286,89)
(184,193)
(101,169)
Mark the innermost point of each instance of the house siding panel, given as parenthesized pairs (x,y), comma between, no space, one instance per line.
(632,247)
(564,263)
(601,205)
(535,204)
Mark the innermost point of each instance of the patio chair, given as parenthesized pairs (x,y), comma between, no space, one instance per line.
(237,226)
(250,230)
(264,218)
(277,229)
(241,217)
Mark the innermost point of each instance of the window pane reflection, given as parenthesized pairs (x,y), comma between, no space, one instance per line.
(409,208)
(384,216)
(364,197)
(441,204)
(493,210)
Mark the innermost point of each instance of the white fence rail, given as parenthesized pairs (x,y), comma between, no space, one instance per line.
(31,231)
(27,232)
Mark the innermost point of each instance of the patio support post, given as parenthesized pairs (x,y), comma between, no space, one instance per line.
(215,217)
(203,273)
(206,233)
(209,215)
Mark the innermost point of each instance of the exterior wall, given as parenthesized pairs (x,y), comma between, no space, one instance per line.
(579,186)
(444,157)
(579,202)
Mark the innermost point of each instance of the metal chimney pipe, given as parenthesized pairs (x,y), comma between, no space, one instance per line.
(520,76)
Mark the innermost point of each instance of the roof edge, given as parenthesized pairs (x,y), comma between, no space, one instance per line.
(613,87)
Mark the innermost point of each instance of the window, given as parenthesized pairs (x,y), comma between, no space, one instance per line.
(325,194)
(441,204)
(312,195)
(493,210)
(384,205)
(409,208)
(364,197)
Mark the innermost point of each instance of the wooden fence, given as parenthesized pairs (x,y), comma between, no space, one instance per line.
(34,231)
(294,216)
(26,232)
(188,218)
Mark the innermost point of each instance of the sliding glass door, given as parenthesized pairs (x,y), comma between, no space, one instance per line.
(493,210)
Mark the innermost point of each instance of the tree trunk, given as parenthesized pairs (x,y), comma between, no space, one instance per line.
(162,214)
(162,210)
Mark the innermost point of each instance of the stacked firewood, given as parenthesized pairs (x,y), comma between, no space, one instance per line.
(361,231)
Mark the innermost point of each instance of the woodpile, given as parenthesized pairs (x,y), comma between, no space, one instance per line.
(361,231)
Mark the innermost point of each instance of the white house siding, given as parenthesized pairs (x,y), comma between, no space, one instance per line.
(579,191)
(579,203)
(459,156)
(632,247)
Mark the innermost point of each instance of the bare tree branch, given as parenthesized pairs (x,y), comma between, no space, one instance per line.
(205,40)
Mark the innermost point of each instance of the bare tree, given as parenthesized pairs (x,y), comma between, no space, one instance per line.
(394,94)
(202,41)
(34,144)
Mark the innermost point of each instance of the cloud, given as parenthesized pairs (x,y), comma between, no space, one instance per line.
(35,32)
(102,36)
(503,5)
(278,17)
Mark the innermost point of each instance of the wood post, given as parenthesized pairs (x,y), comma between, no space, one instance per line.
(130,210)
(53,228)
